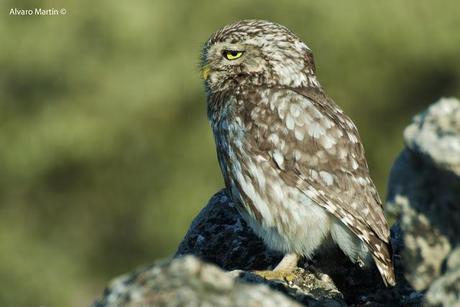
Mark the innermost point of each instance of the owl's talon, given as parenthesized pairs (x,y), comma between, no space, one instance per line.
(288,263)
(276,275)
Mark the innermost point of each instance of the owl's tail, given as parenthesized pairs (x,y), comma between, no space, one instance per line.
(386,271)
(382,255)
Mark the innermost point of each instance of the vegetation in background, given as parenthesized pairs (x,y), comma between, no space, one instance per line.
(105,150)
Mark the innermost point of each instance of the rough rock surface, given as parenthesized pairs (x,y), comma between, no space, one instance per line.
(219,235)
(434,135)
(424,196)
(445,290)
(187,281)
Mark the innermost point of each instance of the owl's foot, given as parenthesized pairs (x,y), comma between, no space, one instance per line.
(276,275)
(288,263)
(284,270)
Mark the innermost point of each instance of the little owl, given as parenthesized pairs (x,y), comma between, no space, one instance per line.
(291,159)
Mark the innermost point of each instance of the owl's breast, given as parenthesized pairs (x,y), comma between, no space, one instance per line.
(276,211)
(238,162)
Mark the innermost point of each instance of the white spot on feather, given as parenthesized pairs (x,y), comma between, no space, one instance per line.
(306,103)
(277,192)
(278,157)
(315,130)
(297,154)
(260,204)
(328,141)
(346,220)
(352,137)
(274,138)
(258,174)
(360,180)
(354,164)
(365,211)
(295,110)
(313,174)
(313,81)
(327,123)
(326,177)
(282,108)
(290,122)
(299,134)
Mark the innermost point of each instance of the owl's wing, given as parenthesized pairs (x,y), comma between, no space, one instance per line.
(322,156)
(342,156)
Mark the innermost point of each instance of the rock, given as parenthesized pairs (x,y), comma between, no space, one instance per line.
(215,262)
(453,262)
(187,281)
(424,189)
(221,236)
(305,287)
(445,290)
(435,135)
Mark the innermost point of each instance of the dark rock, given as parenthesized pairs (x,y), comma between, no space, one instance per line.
(424,192)
(435,135)
(445,290)
(220,235)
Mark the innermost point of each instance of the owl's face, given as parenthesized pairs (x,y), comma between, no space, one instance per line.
(232,62)
(255,52)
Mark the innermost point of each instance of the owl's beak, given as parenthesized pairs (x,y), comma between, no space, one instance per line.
(205,72)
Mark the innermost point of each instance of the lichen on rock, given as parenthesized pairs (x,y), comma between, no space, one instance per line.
(187,281)
(424,193)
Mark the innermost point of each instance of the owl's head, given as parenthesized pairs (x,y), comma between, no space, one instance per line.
(256,52)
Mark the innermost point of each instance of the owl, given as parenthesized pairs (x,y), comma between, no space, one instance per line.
(292,161)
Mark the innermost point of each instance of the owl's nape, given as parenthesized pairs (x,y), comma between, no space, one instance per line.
(291,159)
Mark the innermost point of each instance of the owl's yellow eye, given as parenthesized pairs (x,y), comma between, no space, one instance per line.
(232,54)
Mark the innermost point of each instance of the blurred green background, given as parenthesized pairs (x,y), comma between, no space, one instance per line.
(105,150)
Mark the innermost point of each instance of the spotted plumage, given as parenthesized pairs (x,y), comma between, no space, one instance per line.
(290,157)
